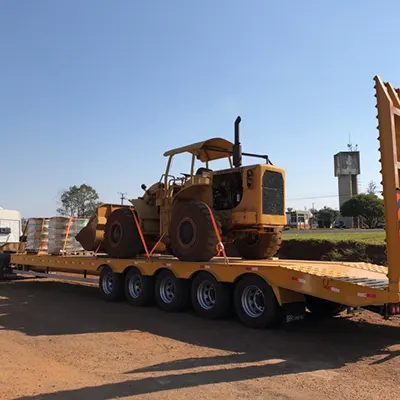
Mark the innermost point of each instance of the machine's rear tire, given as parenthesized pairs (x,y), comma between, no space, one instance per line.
(259,246)
(255,303)
(211,299)
(121,236)
(171,293)
(322,308)
(139,289)
(111,284)
(192,234)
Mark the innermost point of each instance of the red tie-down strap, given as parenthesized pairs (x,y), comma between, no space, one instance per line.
(148,253)
(220,246)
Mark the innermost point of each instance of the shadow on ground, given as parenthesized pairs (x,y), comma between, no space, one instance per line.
(54,308)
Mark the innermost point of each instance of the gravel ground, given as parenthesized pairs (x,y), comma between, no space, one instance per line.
(60,341)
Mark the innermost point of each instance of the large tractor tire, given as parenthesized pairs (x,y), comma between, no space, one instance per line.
(259,246)
(121,236)
(192,234)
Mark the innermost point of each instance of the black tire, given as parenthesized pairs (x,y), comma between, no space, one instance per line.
(259,246)
(210,299)
(264,317)
(121,236)
(111,284)
(5,266)
(171,294)
(192,234)
(323,308)
(139,289)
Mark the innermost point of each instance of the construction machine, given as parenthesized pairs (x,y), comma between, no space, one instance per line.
(190,215)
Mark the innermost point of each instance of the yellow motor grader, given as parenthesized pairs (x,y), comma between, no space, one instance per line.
(244,206)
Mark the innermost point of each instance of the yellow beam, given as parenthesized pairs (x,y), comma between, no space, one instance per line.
(389,138)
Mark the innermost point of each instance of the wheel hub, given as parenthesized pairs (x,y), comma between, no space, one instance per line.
(167,290)
(206,295)
(253,301)
(116,233)
(135,286)
(187,232)
(108,283)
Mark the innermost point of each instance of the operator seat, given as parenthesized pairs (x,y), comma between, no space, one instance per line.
(202,170)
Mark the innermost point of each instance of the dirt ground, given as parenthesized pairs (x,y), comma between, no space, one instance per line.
(61,341)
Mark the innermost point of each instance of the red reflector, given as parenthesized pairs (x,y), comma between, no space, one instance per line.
(398,309)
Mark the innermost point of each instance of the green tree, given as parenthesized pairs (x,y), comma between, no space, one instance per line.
(325,216)
(79,201)
(367,206)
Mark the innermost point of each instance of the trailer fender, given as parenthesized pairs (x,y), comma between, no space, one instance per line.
(285,296)
(195,273)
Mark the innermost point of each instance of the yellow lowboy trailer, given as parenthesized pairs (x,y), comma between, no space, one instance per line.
(262,292)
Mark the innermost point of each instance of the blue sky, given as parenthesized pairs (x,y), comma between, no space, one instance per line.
(95,91)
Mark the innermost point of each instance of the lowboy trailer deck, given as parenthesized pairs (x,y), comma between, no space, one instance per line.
(262,292)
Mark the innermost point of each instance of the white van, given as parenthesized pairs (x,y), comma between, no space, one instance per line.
(10,226)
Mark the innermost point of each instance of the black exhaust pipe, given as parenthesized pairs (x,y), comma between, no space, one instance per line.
(237,147)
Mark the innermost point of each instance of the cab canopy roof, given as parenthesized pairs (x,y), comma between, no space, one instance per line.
(208,150)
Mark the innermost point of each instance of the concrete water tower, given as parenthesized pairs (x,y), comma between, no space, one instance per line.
(347,169)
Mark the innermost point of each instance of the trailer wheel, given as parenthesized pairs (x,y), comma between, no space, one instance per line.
(323,308)
(255,303)
(139,289)
(211,299)
(171,293)
(111,284)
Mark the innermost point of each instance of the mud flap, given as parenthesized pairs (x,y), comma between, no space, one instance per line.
(5,267)
(293,314)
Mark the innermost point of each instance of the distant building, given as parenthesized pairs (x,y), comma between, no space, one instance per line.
(299,219)
(10,226)
(347,169)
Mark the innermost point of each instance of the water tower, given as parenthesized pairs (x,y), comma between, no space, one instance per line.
(347,169)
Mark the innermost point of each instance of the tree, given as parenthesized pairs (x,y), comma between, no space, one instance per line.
(367,206)
(371,188)
(290,209)
(79,201)
(325,216)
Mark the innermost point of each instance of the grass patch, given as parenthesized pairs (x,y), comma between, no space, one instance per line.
(338,236)
(335,245)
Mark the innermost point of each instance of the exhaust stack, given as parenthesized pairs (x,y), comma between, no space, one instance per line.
(237,147)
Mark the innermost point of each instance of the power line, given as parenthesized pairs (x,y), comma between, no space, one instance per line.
(323,197)
(316,197)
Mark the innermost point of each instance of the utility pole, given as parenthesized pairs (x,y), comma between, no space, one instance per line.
(122,197)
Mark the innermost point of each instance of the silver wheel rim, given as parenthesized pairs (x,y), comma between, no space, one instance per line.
(107,283)
(206,295)
(135,286)
(253,301)
(167,290)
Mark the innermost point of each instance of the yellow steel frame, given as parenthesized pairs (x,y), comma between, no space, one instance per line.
(319,279)
(388,105)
